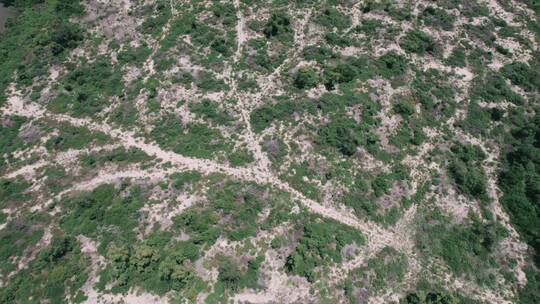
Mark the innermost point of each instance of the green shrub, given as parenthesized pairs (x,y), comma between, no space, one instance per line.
(57,272)
(74,138)
(90,213)
(241,157)
(522,75)
(306,78)
(416,41)
(118,155)
(320,244)
(278,24)
(437,17)
(467,171)
(494,89)
(519,179)
(467,249)
(211,110)
(346,135)
(331,17)
(391,64)
(196,140)
(10,140)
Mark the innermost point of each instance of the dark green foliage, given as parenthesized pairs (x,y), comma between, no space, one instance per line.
(295,178)
(153,24)
(118,155)
(261,118)
(433,297)
(12,191)
(306,78)
(91,213)
(346,135)
(135,56)
(457,58)
(391,64)
(57,271)
(74,138)
(467,172)
(349,69)
(10,141)
(226,12)
(66,36)
(331,17)
(318,53)
(369,27)
(433,91)
(466,249)
(530,294)
(386,269)
(416,41)
(239,207)
(399,13)
(278,24)
(320,244)
(405,108)
(438,17)
(494,89)
(233,213)
(234,277)
(157,264)
(208,83)
(240,157)
(18,234)
(181,179)
(192,140)
(478,120)
(211,110)
(523,75)
(520,180)
(201,225)
(36,38)
(88,88)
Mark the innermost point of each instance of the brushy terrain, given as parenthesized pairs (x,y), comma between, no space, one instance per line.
(168,151)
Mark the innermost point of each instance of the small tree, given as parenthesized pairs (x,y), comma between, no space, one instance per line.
(306,78)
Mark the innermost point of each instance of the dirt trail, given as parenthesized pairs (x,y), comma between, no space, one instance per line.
(372,231)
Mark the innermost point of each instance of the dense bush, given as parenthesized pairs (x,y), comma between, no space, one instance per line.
(523,75)
(467,171)
(10,140)
(438,17)
(262,117)
(18,234)
(74,138)
(320,244)
(520,179)
(118,155)
(196,140)
(57,272)
(88,87)
(391,64)
(416,41)
(90,213)
(42,36)
(306,78)
(331,17)
(278,24)
(211,110)
(346,135)
(494,89)
(386,269)
(467,249)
